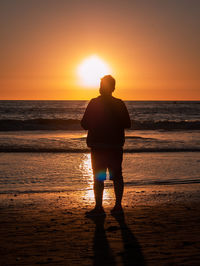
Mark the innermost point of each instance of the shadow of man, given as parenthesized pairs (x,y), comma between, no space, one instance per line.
(102,251)
(132,254)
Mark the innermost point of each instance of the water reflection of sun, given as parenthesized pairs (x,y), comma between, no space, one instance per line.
(87,172)
(86,168)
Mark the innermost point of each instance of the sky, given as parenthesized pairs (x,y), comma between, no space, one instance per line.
(151,46)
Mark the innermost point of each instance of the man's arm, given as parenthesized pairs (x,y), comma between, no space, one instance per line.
(125,116)
(85,122)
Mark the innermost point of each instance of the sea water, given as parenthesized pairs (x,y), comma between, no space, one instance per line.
(43,147)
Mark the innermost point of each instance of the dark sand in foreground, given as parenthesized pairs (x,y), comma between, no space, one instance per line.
(161,227)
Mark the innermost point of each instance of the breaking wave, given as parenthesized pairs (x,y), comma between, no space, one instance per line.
(73,124)
(87,150)
(163,182)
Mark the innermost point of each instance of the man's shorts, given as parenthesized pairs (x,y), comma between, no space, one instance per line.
(103,159)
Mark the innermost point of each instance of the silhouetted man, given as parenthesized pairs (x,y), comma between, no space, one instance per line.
(105,118)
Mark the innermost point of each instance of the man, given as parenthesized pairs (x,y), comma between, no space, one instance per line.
(105,118)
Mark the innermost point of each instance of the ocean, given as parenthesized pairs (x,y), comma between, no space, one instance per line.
(43,147)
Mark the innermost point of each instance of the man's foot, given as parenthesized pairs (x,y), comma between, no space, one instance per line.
(96,212)
(117,210)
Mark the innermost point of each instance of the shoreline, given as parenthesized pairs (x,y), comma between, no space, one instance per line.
(161,227)
(73,172)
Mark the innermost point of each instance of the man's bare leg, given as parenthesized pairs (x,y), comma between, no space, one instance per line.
(119,189)
(98,193)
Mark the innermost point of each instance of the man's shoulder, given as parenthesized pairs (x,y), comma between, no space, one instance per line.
(92,101)
(112,99)
(96,99)
(118,101)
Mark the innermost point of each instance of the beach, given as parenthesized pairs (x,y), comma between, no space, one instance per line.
(46,224)
(160,227)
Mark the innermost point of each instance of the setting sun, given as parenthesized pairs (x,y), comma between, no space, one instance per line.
(91,70)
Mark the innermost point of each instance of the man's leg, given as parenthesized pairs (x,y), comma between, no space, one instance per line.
(98,192)
(99,172)
(116,175)
(119,189)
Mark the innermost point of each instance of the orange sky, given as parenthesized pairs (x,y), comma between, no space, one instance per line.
(152,47)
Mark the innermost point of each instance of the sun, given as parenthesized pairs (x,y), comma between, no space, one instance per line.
(91,70)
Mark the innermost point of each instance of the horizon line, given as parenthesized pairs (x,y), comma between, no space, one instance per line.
(167,100)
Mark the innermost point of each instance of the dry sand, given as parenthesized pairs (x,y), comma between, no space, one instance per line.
(161,226)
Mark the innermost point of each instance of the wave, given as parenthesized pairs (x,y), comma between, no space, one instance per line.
(164,182)
(166,125)
(40,124)
(128,184)
(74,124)
(87,150)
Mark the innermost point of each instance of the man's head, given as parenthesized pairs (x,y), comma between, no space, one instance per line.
(107,85)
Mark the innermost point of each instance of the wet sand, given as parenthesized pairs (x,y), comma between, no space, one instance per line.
(161,226)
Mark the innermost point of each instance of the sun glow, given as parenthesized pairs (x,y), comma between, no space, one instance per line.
(91,70)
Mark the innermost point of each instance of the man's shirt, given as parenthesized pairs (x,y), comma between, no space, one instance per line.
(105,118)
